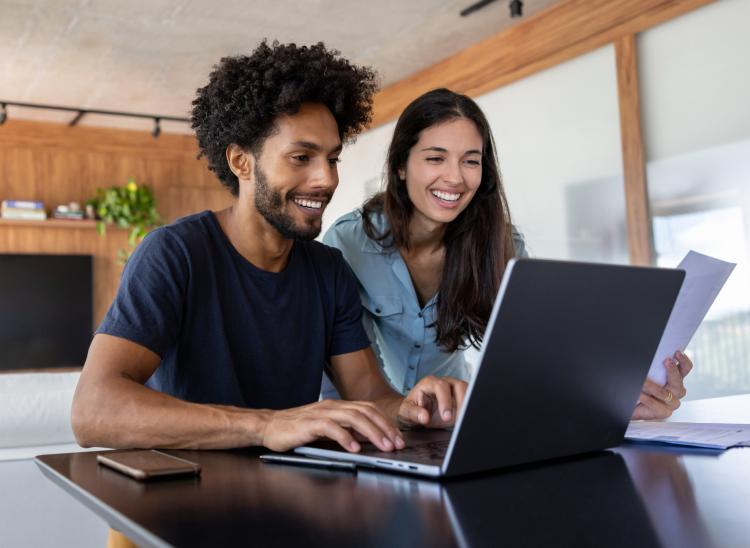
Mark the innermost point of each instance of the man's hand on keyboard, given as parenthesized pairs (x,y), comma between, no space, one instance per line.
(433,402)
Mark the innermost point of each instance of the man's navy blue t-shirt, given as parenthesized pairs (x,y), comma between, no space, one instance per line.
(228,332)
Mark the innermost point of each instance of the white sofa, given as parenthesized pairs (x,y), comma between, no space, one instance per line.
(35,414)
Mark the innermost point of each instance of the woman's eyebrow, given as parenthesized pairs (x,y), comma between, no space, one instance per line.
(441,149)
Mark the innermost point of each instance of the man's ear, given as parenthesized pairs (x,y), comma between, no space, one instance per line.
(240,161)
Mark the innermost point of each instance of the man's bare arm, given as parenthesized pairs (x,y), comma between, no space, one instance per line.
(113,408)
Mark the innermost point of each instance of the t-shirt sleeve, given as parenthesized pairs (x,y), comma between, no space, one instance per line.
(148,307)
(348,333)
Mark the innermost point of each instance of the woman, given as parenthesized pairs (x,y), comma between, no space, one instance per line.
(429,252)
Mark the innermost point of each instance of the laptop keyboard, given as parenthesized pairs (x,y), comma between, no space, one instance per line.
(434,450)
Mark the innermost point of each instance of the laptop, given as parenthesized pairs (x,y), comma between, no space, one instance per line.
(566,351)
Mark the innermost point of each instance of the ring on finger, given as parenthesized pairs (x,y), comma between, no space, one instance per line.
(669,397)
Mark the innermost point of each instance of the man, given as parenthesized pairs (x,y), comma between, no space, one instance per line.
(222,324)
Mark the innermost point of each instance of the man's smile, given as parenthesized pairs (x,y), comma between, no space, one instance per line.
(308,203)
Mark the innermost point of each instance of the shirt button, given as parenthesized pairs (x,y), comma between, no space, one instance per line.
(411,367)
(377,311)
(418,345)
(420,315)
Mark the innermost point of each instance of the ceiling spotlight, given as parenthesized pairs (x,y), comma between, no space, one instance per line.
(157,128)
(516,8)
(3,113)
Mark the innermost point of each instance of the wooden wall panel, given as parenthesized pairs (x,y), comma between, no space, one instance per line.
(640,239)
(58,164)
(184,200)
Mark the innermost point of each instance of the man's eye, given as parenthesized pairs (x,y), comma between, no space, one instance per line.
(333,161)
(302,158)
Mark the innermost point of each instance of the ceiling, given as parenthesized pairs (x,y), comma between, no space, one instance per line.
(150,56)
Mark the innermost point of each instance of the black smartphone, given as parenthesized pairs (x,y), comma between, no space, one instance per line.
(145,464)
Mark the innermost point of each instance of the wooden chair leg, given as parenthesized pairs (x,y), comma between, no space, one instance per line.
(115,539)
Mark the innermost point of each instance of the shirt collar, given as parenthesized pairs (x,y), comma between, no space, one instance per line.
(380,224)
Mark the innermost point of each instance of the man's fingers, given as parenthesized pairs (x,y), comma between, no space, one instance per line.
(440,399)
(372,413)
(361,423)
(412,413)
(328,428)
(441,390)
(422,396)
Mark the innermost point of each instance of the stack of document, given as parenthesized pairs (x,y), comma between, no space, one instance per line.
(712,436)
(704,278)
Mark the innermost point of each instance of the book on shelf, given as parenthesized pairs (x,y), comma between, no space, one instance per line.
(24,210)
(22,204)
(23,214)
(75,215)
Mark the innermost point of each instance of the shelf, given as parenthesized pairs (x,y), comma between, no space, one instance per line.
(51,223)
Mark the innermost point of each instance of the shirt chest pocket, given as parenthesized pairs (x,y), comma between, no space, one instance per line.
(383,306)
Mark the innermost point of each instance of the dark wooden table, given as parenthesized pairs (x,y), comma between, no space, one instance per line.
(635,495)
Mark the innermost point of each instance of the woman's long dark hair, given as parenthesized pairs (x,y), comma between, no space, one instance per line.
(478,243)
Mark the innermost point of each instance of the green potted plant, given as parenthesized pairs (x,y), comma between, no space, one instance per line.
(130,207)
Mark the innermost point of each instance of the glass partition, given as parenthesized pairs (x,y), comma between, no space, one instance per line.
(695,85)
(558,138)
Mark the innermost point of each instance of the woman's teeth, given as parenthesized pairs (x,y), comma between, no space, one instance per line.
(447,196)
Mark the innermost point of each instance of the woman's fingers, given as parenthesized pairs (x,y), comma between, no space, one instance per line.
(650,407)
(674,379)
(684,363)
(661,393)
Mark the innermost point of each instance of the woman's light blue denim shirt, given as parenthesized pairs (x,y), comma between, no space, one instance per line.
(398,327)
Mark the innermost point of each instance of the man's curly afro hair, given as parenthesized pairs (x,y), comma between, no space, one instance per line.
(245,95)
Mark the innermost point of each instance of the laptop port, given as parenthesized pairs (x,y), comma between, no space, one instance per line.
(384,462)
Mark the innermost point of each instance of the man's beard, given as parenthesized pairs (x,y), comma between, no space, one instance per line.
(270,204)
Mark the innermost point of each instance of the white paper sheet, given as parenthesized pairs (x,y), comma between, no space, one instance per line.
(714,436)
(704,278)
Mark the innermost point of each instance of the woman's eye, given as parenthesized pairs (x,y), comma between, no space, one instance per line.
(474,163)
(435,159)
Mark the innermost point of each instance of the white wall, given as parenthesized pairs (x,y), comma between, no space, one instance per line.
(553,130)
(360,172)
(695,80)
(695,97)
